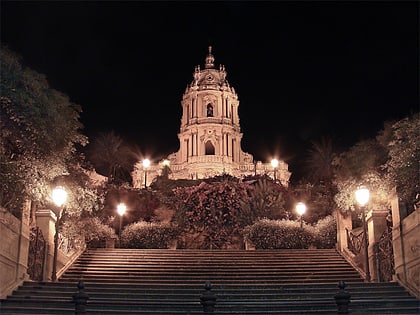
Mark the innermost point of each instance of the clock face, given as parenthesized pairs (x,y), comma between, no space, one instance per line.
(209,77)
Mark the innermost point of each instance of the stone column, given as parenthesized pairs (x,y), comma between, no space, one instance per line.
(46,219)
(343,222)
(376,226)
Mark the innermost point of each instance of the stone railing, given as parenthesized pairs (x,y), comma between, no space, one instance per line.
(401,263)
(13,251)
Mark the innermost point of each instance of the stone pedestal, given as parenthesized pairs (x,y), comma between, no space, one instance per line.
(46,219)
(343,223)
(376,225)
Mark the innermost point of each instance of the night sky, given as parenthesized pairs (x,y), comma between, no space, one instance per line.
(302,70)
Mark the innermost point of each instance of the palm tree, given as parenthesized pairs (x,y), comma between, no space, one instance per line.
(319,163)
(112,157)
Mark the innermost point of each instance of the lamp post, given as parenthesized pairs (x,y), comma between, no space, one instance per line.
(362,198)
(146,165)
(121,208)
(59,196)
(274,164)
(300,209)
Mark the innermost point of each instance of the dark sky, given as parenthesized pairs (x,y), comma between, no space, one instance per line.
(302,70)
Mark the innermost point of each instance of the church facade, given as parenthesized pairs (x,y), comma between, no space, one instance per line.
(210,134)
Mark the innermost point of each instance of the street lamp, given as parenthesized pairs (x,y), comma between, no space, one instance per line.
(146,165)
(300,209)
(121,208)
(59,196)
(274,164)
(362,198)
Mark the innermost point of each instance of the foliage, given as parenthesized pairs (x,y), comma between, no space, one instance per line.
(404,156)
(141,203)
(325,231)
(212,210)
(40,132)
(266,199)
(319,164)
(282,234)
(90,229)
(362,164)
(279,234)
(319,199)
(148,235)
(110,154)
(364,156)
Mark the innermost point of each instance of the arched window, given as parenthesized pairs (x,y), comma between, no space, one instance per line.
(209,148)
(209,110)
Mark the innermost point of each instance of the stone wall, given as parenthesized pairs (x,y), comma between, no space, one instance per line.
(406,245)
(14,246)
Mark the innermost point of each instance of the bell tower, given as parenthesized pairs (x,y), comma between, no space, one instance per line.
(210,134)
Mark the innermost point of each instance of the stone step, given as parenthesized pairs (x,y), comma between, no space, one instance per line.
(122,281)
(317,306)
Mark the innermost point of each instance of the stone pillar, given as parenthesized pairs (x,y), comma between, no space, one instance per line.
(376,226)
(343,222)
(46,219)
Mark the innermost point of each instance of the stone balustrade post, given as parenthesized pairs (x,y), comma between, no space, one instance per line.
(342,298)
(208,299)
(80,299)
(377,225)
(45,220)
(343,223)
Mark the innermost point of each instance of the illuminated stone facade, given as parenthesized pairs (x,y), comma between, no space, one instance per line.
(210,134)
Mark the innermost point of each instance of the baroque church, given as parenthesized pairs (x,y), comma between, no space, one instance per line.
(210,135)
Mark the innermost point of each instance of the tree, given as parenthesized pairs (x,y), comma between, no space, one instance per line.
(265,199)
(362,164)
(317,190)
(402,139)
(110,155)
(40,134)
(319,164)
(210,211)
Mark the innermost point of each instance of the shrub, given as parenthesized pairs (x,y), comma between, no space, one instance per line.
(210,213)
(96,233)
(279,234)
(148,235)
(90,230)
(326,232)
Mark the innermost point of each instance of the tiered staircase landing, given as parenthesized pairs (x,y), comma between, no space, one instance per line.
(128,281)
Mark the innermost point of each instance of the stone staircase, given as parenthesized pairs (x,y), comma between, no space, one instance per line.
(132,281)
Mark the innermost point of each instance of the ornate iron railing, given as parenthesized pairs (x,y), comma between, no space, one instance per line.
(355,241)
(36,257)
(385,256)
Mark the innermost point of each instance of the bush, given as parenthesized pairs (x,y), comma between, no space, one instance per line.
(148,235)
(95,232)
(91,231)
(326,232)
(276,234)
(279,234)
